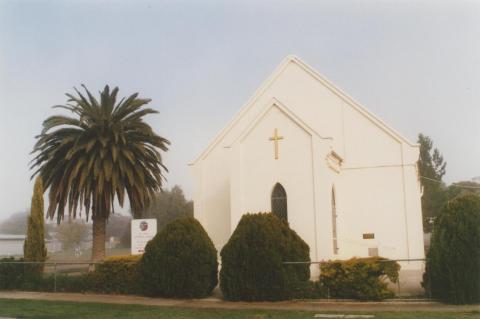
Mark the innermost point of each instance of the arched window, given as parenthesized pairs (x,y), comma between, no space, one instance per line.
(279,201)
(334,223)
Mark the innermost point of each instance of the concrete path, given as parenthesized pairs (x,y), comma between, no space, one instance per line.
(308,305)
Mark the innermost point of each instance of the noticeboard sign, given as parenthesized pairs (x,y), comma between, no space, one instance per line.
(143,230)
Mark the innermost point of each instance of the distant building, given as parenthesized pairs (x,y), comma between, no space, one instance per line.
(11,245)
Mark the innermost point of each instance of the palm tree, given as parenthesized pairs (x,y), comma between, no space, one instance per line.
(98,155)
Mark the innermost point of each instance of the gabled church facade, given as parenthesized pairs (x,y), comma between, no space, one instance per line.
(346,182)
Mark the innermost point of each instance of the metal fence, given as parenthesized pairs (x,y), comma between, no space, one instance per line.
(409,284)
(56,269)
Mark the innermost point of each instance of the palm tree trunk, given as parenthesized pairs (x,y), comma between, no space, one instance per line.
(98,245)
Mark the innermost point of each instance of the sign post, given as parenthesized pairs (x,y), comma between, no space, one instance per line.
(143,230)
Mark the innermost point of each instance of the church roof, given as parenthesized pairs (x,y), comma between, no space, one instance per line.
(328,84)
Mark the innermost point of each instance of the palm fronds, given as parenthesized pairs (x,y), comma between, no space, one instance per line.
(104,151)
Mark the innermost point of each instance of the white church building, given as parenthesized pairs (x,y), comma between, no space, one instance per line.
(347,183)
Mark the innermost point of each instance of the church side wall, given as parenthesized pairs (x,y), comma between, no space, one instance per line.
(196,173)
(212,196)
(378,185)
(366,144)
(370,201)
(414,206)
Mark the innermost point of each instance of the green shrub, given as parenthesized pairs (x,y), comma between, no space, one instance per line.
(11,275)
(253,260)
(180,261)
(453,261)
(359,278)
(116,275)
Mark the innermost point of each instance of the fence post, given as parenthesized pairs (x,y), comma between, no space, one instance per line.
(54,277)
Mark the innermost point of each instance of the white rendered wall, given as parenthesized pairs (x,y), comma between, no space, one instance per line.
(377,188)
(212,196)
(260,171)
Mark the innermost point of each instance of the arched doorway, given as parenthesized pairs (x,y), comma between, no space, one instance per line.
(279,201)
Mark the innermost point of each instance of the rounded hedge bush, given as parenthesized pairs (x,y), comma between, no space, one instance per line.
(453,261)
(180,261)
(252,260)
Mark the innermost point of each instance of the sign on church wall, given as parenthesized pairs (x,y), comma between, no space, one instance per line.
(369,236)
(143,230)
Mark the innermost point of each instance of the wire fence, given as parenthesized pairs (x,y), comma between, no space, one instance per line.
(410,279)
(53,269)
(409,284)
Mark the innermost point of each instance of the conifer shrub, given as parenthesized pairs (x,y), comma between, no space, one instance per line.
(359,278)
(34,249)
(116,275)
(253,260)
(453,260)
(180,261)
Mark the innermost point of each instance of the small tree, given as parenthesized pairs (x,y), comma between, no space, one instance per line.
(431,167)
(72,233)
(34,247)
(453,261)
(168,206)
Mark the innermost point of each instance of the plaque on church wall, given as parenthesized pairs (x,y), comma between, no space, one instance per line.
(369,236)
(143,230)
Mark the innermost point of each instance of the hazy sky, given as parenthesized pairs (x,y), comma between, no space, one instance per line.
(415,64)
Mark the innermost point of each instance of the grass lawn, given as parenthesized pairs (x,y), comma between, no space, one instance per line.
(52,309)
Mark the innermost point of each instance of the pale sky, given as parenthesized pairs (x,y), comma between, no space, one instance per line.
(414,64)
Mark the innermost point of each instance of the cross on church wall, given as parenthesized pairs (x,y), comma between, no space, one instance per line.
(276,138)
